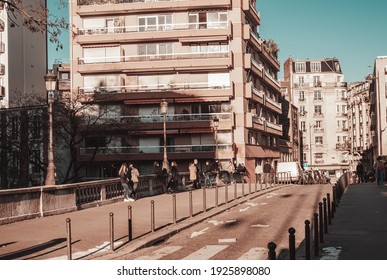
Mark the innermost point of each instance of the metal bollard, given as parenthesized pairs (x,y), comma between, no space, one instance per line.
(152,215)
(216,196)
(321,222)
(334,199)
(307,240)
(325,216)
(204,200)
(235,190)
(329,208)
(68,230)
(272,246)
(243,186)
(315,223)
(292,244)
(174,208)
(111,223)
(190,204)
(249,185)
(130,225)
(226,194)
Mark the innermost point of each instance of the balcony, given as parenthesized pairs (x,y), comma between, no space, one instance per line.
(343,146)
(185,32)
(272,82)
(255,121)
(103,7)
(251,12)
(318,115)
(2,25)
(221,60)
(274,128)
(273,105)
(253,38)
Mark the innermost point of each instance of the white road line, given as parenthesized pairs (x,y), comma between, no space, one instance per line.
(197,233)
(244,209)
(227,240)
(215,223)
(256,253)
(260,226)
(206,252)
(156,255)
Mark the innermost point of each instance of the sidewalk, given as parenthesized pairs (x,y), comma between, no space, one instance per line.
(359,228)
(46,238)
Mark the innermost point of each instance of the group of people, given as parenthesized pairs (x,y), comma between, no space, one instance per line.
(172,183)
(379,171)
(129,177)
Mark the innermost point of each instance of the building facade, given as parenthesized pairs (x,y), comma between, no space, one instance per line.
(204,58)
(23,59)
(320,93)
(378,108)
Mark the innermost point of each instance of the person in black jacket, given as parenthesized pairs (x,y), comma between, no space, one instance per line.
(174,181)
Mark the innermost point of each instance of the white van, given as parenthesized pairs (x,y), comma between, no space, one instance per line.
(292,169)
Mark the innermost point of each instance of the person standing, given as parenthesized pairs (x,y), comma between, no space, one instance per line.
(123,174)
(134,179)
(258,173)
(208,175)
(360,172)
(379,171)
(266,172)
(231,171)
(193,174)
(174,181)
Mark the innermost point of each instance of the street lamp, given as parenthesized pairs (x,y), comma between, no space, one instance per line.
(216,125)
(50,80)
(164,111)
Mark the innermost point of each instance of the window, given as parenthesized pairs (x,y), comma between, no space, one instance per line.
(315,66)
(302,95)
(154,49)
(301,80)
(316,81)
(318,140)
(318,124)
(317,95)
(318,155)
(300,67)
(302,110)
(318,109)
(302,124)
(155,23)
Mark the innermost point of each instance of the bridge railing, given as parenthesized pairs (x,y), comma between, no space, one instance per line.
(29,203)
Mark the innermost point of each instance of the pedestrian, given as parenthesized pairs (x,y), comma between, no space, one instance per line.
(231,171)
(157,170)
(242,171)
(379,171)
(134,180)
(193,174)
(123,174)
(217,168)
(198,173)
(360,172)
(266,171)
(174,181)
(208,175)
(258,172)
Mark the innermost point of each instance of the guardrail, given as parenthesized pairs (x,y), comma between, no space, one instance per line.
(29,203)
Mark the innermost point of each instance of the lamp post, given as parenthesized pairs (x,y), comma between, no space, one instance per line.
(50,80)
(216,125)
(164,111)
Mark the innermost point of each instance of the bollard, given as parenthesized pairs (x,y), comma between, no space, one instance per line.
(315,223)
(204,200)
(174,208)
(69,249)
(272,246)
(111,223)
(216,196)
(130,226)
(321,223)
(334,200)
(307,240)
(226,194)
(325,216)
(190,204)
(292,244)
(243,186)
(152,215)
(260,183)
(329,208)
(249,185)
(235,190)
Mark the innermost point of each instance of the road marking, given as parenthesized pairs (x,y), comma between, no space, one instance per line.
(260,226)
(230,221)
(263,203)
(197,233)
(244,209)
(156,255)
(227,240)
(252,204)
(215,223)
(256,253)
(206,252)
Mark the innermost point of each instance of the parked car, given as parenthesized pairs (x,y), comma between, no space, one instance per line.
(289,170)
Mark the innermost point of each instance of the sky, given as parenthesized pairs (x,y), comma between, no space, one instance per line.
(352,31)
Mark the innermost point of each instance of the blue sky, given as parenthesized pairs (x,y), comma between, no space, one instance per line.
(352,31)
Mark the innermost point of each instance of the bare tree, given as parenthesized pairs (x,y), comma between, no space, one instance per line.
(37,18)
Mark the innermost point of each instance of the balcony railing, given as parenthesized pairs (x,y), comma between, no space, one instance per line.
(257,92)
(272,79)
(274,126)
(153,57)
(150,88)
(153,149)
(274,103)
(104,2)
(153,28)
(160,118)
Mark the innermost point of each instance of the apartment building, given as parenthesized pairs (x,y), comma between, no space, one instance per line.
(378,108)
(204,58)
(320,93)
(23,59)
(359,122)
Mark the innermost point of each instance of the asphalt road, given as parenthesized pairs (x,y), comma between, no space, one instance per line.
(243,232)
